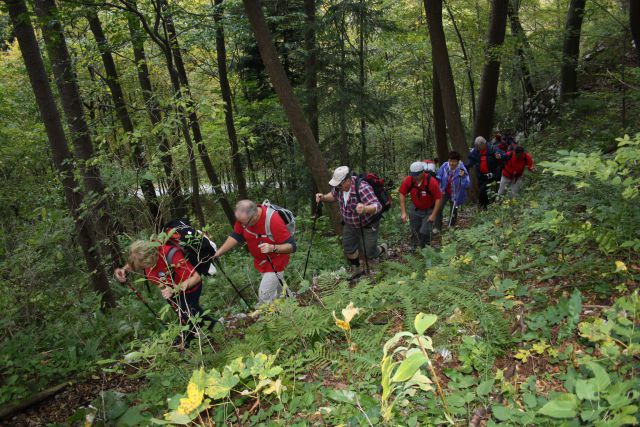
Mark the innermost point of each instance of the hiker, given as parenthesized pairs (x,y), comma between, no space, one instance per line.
(454,181)
(485,157)
(361,211)
(270,245)
(180,284)
(426,201)
(513,170)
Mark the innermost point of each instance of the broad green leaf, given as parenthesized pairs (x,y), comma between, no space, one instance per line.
(600,377)
(344,396)
(219,386)
(408,367)
(502,413)
(585,390)
(424,322)
(563,406)
(484,388)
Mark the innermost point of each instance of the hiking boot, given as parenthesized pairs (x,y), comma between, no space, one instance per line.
(383,249)
(355,271)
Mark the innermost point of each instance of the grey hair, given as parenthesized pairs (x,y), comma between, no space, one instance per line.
(480,141)
(247,207)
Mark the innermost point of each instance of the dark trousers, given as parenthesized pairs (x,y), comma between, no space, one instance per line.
(187,307)
(486,189)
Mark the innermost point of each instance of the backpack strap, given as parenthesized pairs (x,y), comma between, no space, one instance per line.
(358,181)
(426,187)
(169,260)
(267,222)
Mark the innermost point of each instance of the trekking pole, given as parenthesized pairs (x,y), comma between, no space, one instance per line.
(231,283)
(364,249)
(139,295)
(313,232)
(454,202)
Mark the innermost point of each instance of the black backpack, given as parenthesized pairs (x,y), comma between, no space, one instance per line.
(381,192)
(196,247)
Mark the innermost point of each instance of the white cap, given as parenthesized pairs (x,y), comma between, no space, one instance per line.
(416,168)
(339,175)
(429,166)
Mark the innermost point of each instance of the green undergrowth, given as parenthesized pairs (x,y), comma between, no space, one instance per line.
(532,315)
(537,307)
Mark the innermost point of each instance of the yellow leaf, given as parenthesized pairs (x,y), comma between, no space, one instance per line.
(620,266)
(194,398)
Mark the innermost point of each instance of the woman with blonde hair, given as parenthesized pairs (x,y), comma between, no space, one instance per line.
(166,267)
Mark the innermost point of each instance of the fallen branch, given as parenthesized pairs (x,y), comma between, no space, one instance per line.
(12,407)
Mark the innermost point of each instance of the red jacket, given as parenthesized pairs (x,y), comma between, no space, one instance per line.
(514,166)
(255,234)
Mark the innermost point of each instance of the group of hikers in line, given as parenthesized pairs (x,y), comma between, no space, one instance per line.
(361,200)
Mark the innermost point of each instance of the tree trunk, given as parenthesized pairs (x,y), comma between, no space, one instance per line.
(439,122)
(193,116)
(342,109)
(467,62)
(154,112)
(361,78)
(311,80)
(433,10)
(119,102)
(491,73)
(312,154)
(225,89)
(311,67)
(71,100)
(634,25)
(62,158)
(571,50)
(521,44)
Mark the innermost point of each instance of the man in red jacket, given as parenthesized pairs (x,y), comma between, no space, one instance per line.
(270,251)
(426,200)
(513,170)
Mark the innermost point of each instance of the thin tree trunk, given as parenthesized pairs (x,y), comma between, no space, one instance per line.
(117,95)
(361,78)
(571,50)
(311,67)
(62,158)
(342,109)
(311,79)
(312,154)
(154,112)
(71,100)
(439,124)
(165,46)
(634,25)
(193,116)
(491,73)
(521,44)
(433,10)
(467,62)
(225,89)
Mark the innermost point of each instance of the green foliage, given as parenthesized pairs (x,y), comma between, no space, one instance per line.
(611,180)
